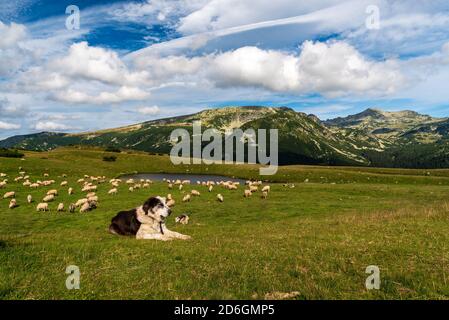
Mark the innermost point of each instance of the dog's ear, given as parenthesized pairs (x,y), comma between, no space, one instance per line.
(149,204)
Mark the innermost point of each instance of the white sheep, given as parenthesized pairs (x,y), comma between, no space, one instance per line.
(42,207)
(93,198)
(247,193)
(80,202)
(113,191)
(195,193)
(52,192)
(266,189)
(264,194)
(12,204)
(91,194)
(70,191)
(49,198)
(210,188)
(11,194)
(60,207)
(186,198)
(131,189)
(88,206)
(29,198)
(64,183)
(170,203)
(220,197)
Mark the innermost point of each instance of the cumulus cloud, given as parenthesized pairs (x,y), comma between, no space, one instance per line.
(154,110)
(329,68)
(9,126)
(51,126)
(93,63)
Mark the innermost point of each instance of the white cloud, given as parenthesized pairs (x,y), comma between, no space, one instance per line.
(9,110)
(12,53)
(51,126)
(121,95)
(92,63)
(221,14)
(329,68)
(9,126)
(154,110)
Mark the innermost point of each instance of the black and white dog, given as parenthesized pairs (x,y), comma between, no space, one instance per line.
(145,222)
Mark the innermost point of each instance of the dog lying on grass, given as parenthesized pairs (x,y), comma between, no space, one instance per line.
(146,222)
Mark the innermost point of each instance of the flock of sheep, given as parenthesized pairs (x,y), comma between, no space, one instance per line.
(89,185)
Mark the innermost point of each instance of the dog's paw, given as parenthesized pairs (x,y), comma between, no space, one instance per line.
(184,237)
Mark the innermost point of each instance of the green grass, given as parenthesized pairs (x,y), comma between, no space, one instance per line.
(317,238)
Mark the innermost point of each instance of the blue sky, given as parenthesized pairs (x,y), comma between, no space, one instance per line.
(132,61)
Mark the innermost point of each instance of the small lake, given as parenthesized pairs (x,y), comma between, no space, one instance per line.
(181,176)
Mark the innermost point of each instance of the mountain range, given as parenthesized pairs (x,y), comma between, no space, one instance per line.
(370,138)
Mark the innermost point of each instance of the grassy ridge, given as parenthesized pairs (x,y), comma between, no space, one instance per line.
(316,238)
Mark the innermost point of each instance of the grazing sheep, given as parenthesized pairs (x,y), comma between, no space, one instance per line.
(131,189)
(170,186)
(34,185)
(91,194)
(2,175)
(85,207)
(46,175)
(180,187)
(89,188)
(264,194)
(52,192)
(146,185)
(64,183)
(182,219)
(88,206)
(220,197)
(195,193)
(80,202)
(253,188)
(266,189)
(11,194)
(27,183)
(12,204)
(169,196)
(170,203)
(93,198)
(113,191)
(80,181)
(130,181)
(42,207)
(29,198)
(70,191)
(247,193)
(210,188)
(72,208)
(49,198)
(2,184)
(186,198)
(60,207)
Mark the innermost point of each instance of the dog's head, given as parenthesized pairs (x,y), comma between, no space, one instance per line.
(157,207)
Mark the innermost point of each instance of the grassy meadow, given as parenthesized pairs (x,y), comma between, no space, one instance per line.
(316,239)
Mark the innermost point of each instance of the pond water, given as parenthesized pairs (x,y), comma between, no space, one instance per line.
(175,176)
